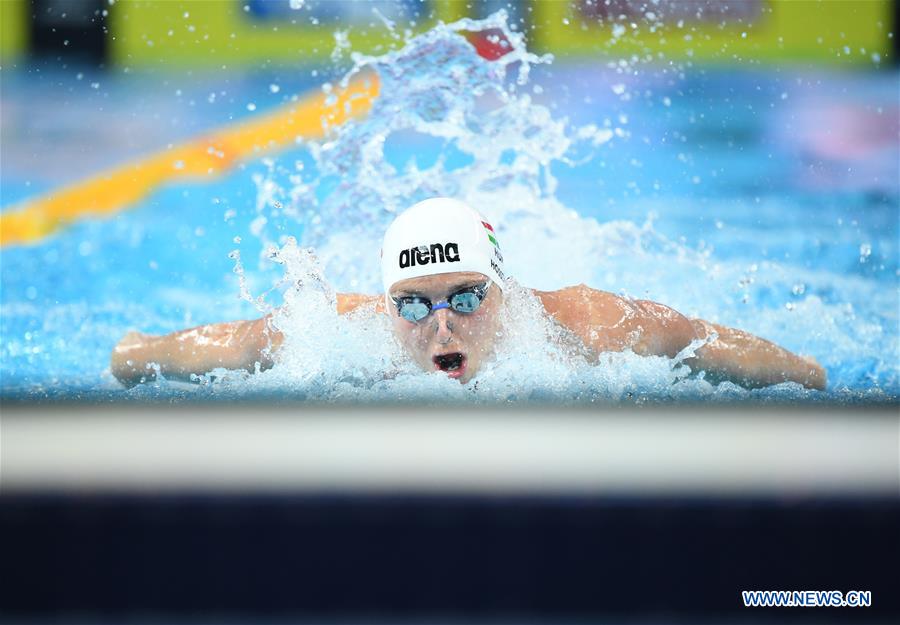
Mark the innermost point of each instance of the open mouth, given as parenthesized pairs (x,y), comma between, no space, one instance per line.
(453,363)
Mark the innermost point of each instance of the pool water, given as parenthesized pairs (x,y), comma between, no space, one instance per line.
(764,198)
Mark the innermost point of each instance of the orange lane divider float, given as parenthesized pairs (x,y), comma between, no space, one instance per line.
(116,189)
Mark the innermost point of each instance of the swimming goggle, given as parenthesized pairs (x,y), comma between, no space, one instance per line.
(414,308)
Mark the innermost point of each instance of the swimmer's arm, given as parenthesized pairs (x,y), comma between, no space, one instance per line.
(196,351)
(751,361)
(606,322)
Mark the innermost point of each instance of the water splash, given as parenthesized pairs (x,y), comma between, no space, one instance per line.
(494,149)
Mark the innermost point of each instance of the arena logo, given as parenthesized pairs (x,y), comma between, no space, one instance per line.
(425,254)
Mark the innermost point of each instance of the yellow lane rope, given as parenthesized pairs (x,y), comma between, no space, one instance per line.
(118,188)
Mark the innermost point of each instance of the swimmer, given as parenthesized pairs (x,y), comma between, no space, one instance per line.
(444,283)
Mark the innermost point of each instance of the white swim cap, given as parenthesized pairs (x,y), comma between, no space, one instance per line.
(437,236)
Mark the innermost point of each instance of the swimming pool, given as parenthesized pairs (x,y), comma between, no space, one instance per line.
(762,198)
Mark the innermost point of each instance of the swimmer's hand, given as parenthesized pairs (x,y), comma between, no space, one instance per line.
(246,345)
(816,376)
(124,361)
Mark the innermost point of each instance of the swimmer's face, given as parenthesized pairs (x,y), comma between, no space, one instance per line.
(447,340)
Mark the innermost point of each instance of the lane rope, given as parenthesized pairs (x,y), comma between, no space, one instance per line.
(123,186)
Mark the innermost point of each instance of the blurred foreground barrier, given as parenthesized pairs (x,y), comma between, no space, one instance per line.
(119,188)
(732,451)
(161,514)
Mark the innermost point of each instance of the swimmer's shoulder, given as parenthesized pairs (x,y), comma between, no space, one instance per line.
(577,304)
(600,319)
(609,322)
(351,302)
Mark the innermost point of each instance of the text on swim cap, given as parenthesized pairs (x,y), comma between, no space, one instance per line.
(499,271)
(424,254)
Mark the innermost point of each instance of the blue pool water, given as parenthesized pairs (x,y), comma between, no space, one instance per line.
(761,198)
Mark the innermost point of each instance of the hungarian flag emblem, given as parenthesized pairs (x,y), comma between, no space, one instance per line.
(490,232)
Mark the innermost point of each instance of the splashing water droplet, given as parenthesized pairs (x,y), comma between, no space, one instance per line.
(865,251)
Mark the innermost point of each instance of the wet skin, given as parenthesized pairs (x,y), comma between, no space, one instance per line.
(435,342)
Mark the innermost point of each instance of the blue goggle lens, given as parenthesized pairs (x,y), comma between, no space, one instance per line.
(465,302)
(414,311)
